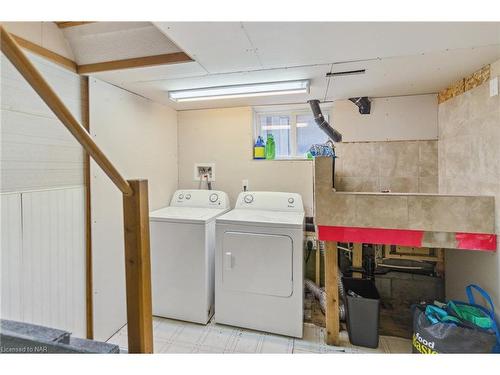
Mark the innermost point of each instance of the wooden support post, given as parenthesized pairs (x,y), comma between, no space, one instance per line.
(89,308)
(138,268)
(357,259)
(332,293)
(318,264)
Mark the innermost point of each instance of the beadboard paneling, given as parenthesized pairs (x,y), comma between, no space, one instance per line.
(11,257)
(53,267)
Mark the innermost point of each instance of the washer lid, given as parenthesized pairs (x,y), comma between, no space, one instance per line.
(277,219)
(195,215)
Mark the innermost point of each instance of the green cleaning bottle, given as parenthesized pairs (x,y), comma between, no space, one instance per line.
(270,148)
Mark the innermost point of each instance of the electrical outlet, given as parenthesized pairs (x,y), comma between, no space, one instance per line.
(202,169)
(494,87)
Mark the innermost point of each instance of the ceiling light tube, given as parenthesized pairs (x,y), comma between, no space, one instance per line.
(241,91)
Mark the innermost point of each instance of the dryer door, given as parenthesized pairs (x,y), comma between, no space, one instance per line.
(257,263)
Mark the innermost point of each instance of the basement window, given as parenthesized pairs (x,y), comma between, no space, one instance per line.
(294,131)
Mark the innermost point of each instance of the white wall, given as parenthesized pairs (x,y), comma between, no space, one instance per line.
(140,138)
(398,118)
(42,203)
(225,137)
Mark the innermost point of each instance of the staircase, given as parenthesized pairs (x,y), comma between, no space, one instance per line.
(19,337)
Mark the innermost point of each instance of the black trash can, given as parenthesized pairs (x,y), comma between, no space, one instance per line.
(362,311)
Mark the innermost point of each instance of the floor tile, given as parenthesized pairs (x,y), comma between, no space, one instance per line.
(166,329)
(219,337)
(173,336)
(178,348)
(276,344)
(246,342)
(190,334)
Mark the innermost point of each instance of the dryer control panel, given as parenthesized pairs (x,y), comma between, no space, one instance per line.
(200,198)
(270,200)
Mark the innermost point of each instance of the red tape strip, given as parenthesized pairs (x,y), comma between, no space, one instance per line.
(402,237)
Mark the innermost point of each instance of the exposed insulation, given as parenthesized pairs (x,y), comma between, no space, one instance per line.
(454,90)
(465,84)
(477,78)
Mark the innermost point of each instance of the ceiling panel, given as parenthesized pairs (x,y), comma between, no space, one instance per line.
(107,41)
(422,74)
(217,46)
(297,43)
(152,73)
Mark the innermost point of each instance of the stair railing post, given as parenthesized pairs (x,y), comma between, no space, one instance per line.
(138,268)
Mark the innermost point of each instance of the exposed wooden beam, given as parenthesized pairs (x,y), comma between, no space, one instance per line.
(65,24)
(357,259)
(137,62)
(44,52)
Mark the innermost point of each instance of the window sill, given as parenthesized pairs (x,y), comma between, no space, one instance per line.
(283,159)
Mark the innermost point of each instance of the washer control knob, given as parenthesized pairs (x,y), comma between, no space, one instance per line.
(181,196)
(291,200)
(248,198)
(188,196)
(213,198)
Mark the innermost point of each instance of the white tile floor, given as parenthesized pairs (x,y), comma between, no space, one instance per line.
(173,336)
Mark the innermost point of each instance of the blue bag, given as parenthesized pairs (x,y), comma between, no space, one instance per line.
(489,312)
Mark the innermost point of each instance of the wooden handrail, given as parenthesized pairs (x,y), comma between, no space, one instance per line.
(17,57)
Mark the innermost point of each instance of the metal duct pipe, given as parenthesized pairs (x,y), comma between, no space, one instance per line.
(363,103)
(320,295)
(334,135)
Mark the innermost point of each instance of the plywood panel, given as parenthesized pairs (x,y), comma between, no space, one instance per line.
(11,257)
(53,253)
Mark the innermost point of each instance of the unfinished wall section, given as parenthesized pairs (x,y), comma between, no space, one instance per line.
(469,163)
(398,166)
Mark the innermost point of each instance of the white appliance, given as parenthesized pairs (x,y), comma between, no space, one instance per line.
(182,240)
(259,263)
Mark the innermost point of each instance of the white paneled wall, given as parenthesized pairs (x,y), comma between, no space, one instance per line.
(43,258)
(43,210)
(11,257)
(37,152)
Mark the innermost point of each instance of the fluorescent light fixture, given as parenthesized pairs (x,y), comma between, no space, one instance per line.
(241,91)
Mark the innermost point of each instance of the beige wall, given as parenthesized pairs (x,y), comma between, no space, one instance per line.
(469,163)
(140,138)
(45,34)
(225,137)
(390,119)
(400,166)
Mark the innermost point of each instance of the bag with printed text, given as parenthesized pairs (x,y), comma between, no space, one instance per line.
(456,327)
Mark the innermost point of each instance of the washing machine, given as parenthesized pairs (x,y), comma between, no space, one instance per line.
(259,263)
(182,242)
